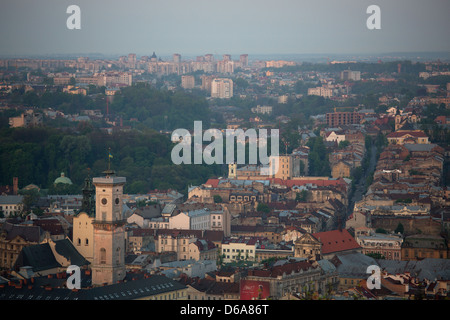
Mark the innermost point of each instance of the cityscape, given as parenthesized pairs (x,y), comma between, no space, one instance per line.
(118,180)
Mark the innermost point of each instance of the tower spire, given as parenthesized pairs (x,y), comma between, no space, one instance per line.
(88,204)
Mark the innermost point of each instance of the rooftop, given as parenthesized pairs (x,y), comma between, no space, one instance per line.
(336,240)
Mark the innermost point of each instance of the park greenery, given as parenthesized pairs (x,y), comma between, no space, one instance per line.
(39,155)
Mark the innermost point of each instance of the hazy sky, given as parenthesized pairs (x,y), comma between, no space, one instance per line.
(191,27)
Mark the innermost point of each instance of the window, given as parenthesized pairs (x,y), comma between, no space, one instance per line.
(118,255)
(102,256)
(79,241)
(86,242)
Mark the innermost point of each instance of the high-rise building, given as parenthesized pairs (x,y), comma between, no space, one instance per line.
(222,88)
(206,82)
(109,230)
(243,60)
(187,82)
(225,66)
(176,58)
(132,60)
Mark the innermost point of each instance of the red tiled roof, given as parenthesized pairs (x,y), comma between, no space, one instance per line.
(336,240)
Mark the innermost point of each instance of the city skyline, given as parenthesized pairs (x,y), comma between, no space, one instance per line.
(195,27)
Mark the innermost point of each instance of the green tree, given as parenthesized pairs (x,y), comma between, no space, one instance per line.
(301,196)
(376,255)
(318,158)
(30,198)
(399,229)
(262,207)
(343,144)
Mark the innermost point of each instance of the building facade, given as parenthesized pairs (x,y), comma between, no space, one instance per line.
(222,88)
(83,235)
(109,231)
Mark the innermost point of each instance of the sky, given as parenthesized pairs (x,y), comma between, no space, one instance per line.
(198,27)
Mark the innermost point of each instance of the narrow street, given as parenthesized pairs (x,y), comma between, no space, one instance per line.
(360,187)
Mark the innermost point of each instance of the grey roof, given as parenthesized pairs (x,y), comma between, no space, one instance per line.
(128,290)
(428,268)
(419,146)
(28,233)
(178,263)
(67,250)
(40,256)
(353,264)
(327,266)
(169,208)
(4,200)
(149,212)
(198,212)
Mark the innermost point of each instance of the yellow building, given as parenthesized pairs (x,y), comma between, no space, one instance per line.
(421,246)
(341,169)
(83,235)
(284,167)
(13,238)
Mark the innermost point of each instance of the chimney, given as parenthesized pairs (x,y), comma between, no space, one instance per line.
(15,185)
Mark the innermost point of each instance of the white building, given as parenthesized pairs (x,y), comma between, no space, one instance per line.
(351,75)
(189,267)
(236,249)
(320,91)
(10,205)
(262,109)
(222,88)
(193,220)
(333,136)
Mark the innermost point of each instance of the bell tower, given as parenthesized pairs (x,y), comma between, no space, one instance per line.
(232,173)
(109,230)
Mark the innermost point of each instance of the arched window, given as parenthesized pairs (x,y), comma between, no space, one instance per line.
(79,241)
(86,242)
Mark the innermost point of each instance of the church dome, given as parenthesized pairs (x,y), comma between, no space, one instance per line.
(63,179)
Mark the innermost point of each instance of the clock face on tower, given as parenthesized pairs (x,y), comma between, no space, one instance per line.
(104,201)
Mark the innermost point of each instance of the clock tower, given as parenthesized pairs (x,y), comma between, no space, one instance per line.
(109,230)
